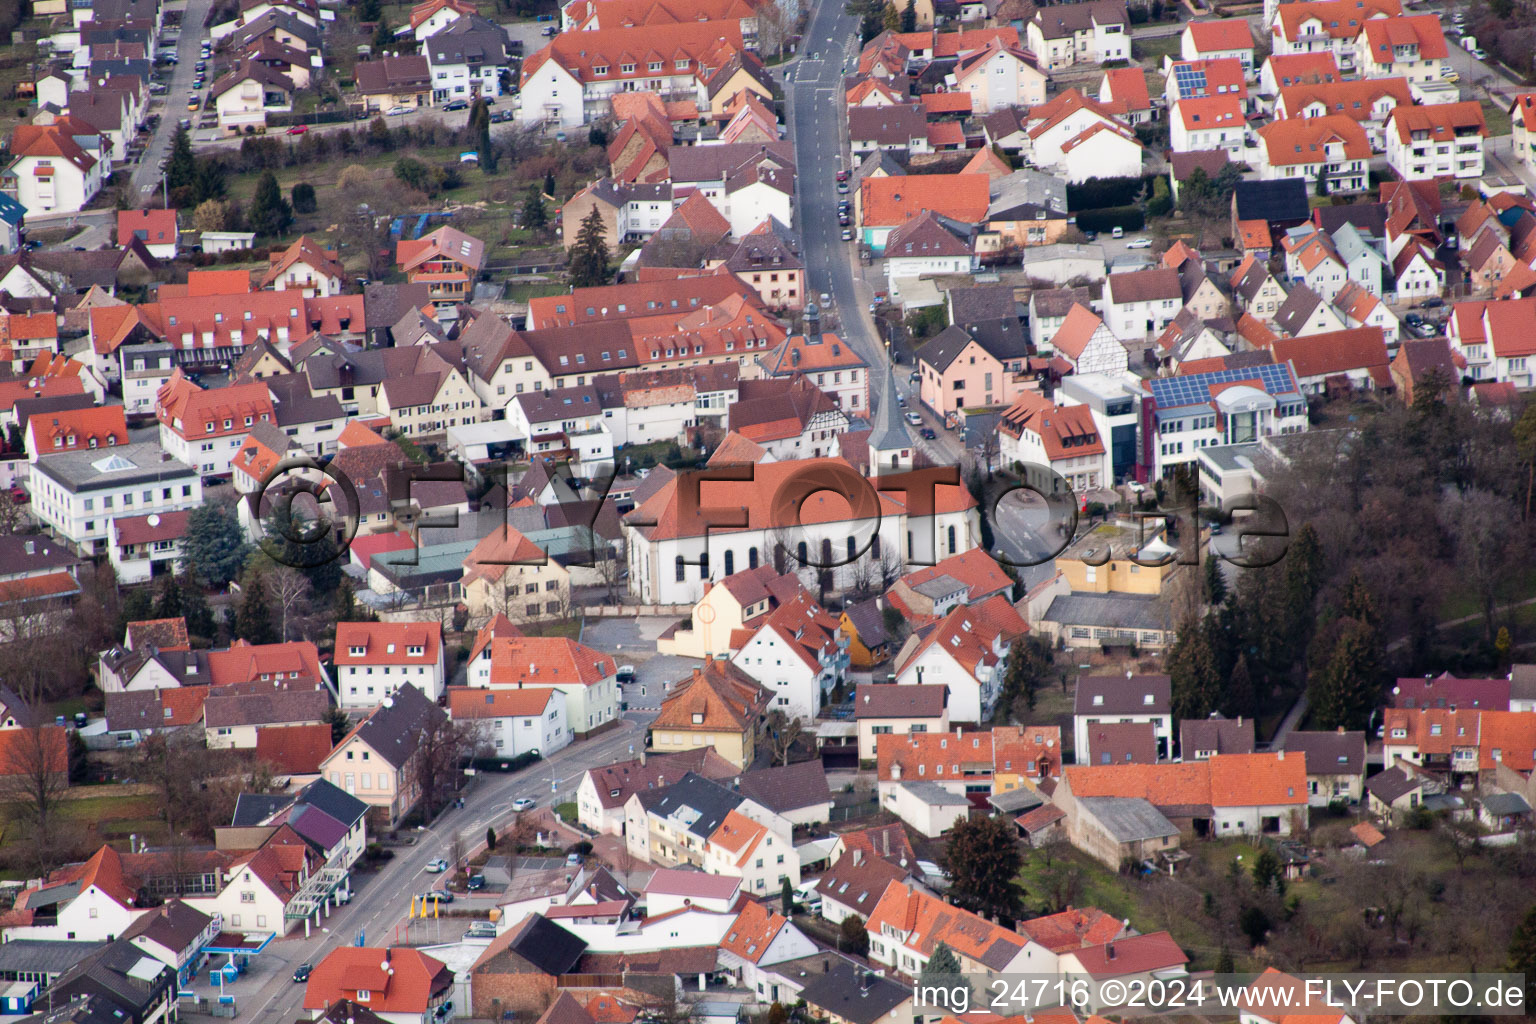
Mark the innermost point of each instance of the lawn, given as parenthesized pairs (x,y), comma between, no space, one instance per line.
(1156,49)
(1497,118)
(533,289)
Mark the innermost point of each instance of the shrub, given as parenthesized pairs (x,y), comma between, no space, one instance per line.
(304,197)
(1110,217)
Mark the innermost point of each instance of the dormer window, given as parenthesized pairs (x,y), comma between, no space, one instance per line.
(357,650)
(1098,700)
(1148,700)
(698,718)
(600,69)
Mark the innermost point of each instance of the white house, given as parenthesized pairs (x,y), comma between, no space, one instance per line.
(250,91)
(926,245)
(1037,432)
(757,940)
(468,58)
(1000,77)
(967,651)
(1229,37)
(746,849)
(514,722)
(1200,410)
(90,903)
(1124,699)
(205,428)
(1495,339)
(374,658)
(1417,273)
(76,494)
(1211,122)
(586,677)
(49,172)
(1334,146)
(927,807)
(176,935)
(1438,141)
(1411,47)
(1087,343)
(1139,303)
(797,656)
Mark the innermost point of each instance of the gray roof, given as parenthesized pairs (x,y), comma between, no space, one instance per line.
(281,707)
(888,432)
(703,800)
(1393,784)
(1230,457)
(871,700)
(1122,695)
(1505,803)
(468,40)
(1129,819)
(933,794)
(342,806)
(942,585)
(1522,679)
(1329,753)
(982,302)
(787,788)
(1118,611)
(868,619)
(393,730)
(42,956)
(1003,339)
(173,925)
(842,993)
(104,468)
(1055,302)
(1015,801)
(255,808)
(944,348)
(547,946)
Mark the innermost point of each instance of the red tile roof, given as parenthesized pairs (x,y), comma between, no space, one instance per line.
(601,54)
(76,429)
(399,980)
(547,661)
(1215,36)
(475,702)
(158,226)
(719,697)
(388,643)
(888,201)
(244,662)
(753,931)
(1226,780)
(1136,954)
(195,414)
(294,749)
(1293,141)
(1384,35)
(1318,355)
(1438,122)
(1341,19)
(1072,929)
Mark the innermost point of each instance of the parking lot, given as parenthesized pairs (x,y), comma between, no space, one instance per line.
(633,642)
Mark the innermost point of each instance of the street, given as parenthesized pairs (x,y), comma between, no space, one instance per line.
(147,176)
(384,899)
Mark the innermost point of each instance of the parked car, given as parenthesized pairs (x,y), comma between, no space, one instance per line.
(842,187)
(437,867)
(847,234)
(481,930)
(1092,236)
(842,175)
(298,129)
(573,860)
(1139,243)
(457,105)
(475,883)
(844,220)
(1118,232)
(928,434)
(626,674)
(523,803)
(438,895)
(301,972)
(914,419)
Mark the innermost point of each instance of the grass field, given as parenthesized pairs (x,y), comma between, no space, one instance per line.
(1497,118)
(1155,49)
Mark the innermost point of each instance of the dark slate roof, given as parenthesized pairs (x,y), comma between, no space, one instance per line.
(983,302)
(788,788)
(547,946)
(1123,695)
(255,808)
(710,799)
(842,993)
(1223,735)
(868,618)
(173,925)
(42,956)
(1370,218)
(944,347)
(1393,784)
(1274,201)
(385,304)
(1004,339)
(336,802)
(394,729)
(320,829)
(888,432)
(1329,753)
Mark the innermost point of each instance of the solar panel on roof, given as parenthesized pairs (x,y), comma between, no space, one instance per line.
(1195,389)
(1189,81)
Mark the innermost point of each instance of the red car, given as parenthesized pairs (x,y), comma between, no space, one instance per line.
(298,129)
(842,175)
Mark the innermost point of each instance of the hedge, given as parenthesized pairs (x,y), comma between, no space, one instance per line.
(1103,192)
(1110,217)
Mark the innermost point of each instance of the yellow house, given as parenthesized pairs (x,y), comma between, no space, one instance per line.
(718,706)
(1024,756)
(726,607)
(1101,563)
(741,71)
(508,574)
(864,625)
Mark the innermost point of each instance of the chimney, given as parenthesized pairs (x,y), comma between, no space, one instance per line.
(1281,755)
(863,983)
(1109,951)
(642,758)
(858,855)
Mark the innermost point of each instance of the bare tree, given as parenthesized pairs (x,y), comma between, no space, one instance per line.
(444,748)
(782,732)
(36,776)
(12,516)
(290,591)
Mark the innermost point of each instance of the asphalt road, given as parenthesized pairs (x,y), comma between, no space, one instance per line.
(147,176)
(383,900)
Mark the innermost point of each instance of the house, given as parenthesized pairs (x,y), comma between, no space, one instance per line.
(788,418)
(908,924)
(885,203)
(176,935)
(901,128)
(1225,795)
(1255,290)
(517,722)
(73,492)
(1484,334)
(306,268)
(1119,830)
(795,654)
(1253,401)
(49,172)
(1399,789)
(1325,26)
(377,761)
(234,721)
(331,822)
(967,649)
(394,81)
(1227,38)
(1442,140)
(1127,961)
(1077,138)
(956,371)
(883,710)
(12,213)
(1419,360)
(746,849)
(603,792)
(1367,100)
(1208,123)
(116,981)
(725,609)
(719,705)
(1305,312)
(671,826)
(155,228)
(1000,77)
(1335,764)
(758,939)
(1522,112)
(926,807)
(1203,738)
(1102,699)
(374,658)
(826,361)
(1504,812)
(1411,47)
(205,428)
(1121,743)
(1280,204)
(1416,273)
(925,246)
(1139,303)
(469,58)
(247,93)
(401,985)
(435,15)
(1087,33)
(585,677)
(863,623)
(1355,358)
(1332,149)
(1087,344)
(571,80)
(845,993)
(797,793)
(856,881)
(507,574)
(967,577)
(1036,432)
(1204,79)
(92,901)
(672,889)
(69,430)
